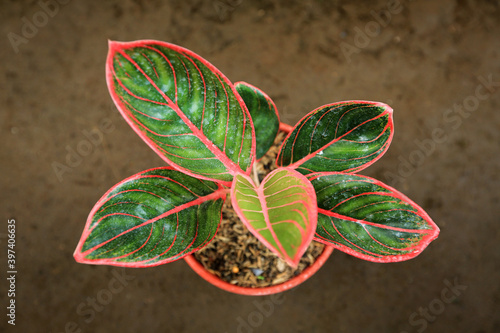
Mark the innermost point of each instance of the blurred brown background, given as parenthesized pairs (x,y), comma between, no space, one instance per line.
(436,62)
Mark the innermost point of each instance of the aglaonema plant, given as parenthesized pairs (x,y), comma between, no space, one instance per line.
(210,132)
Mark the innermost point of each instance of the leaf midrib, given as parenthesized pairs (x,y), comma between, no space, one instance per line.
(311,155)
(232,167)
(212,196)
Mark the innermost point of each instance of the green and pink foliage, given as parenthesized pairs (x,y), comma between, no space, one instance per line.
(210,132)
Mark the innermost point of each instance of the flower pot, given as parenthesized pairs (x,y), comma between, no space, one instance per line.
(258,291)
(293,282)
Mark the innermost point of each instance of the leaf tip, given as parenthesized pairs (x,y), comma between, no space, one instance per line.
(386,107)
(113,45)
(435,230)
(79,257)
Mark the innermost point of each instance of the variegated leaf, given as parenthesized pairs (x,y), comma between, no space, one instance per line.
(183,107)
(154,217)
(281,212)
(264,115)
(344,136)
(368,219)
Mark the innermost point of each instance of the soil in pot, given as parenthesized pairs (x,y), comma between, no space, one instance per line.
(238,257)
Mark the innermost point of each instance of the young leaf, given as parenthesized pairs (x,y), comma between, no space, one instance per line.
(344,136)
(154,217)
(264,115)
(281,212)
(368,219)
(183,107)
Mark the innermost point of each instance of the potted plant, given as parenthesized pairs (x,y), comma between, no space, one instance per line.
(211,132)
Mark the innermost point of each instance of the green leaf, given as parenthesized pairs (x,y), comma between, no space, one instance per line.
(281,212)
(183,107)
(154,217)
(369,219)
(264,115)
(345,136)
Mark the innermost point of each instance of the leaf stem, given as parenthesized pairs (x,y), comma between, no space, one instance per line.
(255,174)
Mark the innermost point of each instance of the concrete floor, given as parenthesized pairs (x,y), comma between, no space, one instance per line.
(427,59)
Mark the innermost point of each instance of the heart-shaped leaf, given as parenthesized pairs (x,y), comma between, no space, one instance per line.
(281,212)
(344,136)
(183,107)
(264,115)
(368,219)
(154,217)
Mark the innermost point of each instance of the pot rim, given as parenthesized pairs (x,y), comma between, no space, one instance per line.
(260,291)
